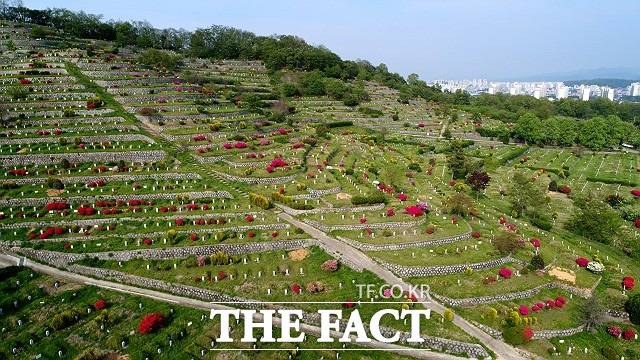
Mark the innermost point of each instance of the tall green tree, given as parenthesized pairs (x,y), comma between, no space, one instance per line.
(594,219)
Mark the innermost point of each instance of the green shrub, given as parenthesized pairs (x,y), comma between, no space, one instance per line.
(260,200)
(610,353)
(632,306)
(370,199)
(537,262)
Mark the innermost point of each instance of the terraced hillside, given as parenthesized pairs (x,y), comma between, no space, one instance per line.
(173,191)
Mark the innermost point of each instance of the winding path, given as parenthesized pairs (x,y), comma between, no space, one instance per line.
(8,259)
(360,260)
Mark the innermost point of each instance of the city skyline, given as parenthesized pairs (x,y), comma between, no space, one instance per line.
(435,39)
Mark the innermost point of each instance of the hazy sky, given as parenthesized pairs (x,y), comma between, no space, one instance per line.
(436,39)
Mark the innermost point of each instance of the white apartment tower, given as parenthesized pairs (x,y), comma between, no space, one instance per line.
(585,93)
(608,93)
(562,92)
(635,89)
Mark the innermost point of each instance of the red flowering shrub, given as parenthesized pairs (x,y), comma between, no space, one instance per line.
(274,234)
(535,242)
(179,222)
(537,307)
(629,334)
(297,145)
(363,220)
(527,333)
(475,234)
(505,273)
(251,234)
(628,282)
(502,220)
(614,331)
(147,241)
(560,301)
(402,197)
(550,304)
(635,192)
(278,162)
(18,172)
(56,206)
(221,275)
(151,323)
(199,137)
(348,304)
(248,218)
(86,210)
(96,183)
(637,223)
(391,212)
(100,304)
(296,288)
(565,189)
(413,210)
(582,262)
(25,81)
(523,310)
(193,237)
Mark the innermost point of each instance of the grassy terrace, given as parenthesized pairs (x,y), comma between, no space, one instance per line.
(340,286)
(105,330)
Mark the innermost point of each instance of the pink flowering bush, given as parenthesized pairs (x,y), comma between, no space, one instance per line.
(527,333)
(330,265)
(391,212)
(614,330)
(402,197)
(523,310)
(505,273)
(413,210)
(582,262)
(560,301)
(635,192)
(535,242)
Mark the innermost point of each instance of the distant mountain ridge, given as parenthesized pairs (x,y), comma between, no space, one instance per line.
(596,74)
(615,83)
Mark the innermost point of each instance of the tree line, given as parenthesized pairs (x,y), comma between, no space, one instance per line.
(216,42)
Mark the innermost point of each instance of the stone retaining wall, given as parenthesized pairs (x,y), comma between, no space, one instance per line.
(45,159)
(583,293)
(419,271)
(192,195)
(417,244)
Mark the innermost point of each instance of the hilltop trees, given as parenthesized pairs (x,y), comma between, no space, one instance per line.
(160,59)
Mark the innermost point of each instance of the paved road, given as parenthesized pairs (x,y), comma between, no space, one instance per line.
(362,261)
(199,304)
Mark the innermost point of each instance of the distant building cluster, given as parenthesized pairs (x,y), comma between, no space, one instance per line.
(539,89)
